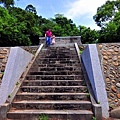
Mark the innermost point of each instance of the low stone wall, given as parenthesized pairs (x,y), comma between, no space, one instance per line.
(110,62)
(64,40)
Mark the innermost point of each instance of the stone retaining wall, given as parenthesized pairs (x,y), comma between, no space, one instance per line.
(110,62)
(4,53)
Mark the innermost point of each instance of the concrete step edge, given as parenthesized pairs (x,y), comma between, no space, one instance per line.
(54,86)
(26,93)
(53,80)
(56,75)
(52,102)
(50,112)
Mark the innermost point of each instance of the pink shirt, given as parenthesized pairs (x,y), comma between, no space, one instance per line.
(48,33)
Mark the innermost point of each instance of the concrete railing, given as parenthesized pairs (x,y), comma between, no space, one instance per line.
(67,39)
(17,61)
(91,63)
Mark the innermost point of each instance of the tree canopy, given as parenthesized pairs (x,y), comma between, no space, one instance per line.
(7,3)
(24,27)
(108,18)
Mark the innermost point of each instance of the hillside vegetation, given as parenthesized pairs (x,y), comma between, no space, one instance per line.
(24,27)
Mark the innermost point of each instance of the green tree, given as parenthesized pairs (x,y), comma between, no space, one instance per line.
(11,34)
(66,26)
(30,8)
(108,18)
(7,3)
(109,34)
(31,21)
(106,12)
(88,35)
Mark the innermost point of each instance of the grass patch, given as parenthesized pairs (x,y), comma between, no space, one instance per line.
(94,118)
(80,51)
(43,117)
(98,102)
(9,96)
(17,83)
(88,95)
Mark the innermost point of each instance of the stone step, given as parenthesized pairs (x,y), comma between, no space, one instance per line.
(49,60)
(59,49)
(67,68)
(54,89)
(55,59)
(64,53)
(66,46)
(58,56)
(53,48)
(59,114)
(55,73)
(54,77)
(59,62)
(53,83)
(52,96)
(57,65)
(52,105)
(57,52)
(63,43)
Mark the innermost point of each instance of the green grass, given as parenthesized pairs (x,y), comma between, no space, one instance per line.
(43,117)
(9,96)
(2,73)
(81,51)
(17,83)
(88,95)
(94,118)
(98,102)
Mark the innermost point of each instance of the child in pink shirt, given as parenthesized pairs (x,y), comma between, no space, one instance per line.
(53,39)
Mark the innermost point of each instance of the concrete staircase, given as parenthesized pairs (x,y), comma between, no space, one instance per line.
(54,87)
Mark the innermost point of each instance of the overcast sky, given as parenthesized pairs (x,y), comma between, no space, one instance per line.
(80,11)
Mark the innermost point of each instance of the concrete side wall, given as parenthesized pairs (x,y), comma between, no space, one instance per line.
(92,65)
(17,61)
